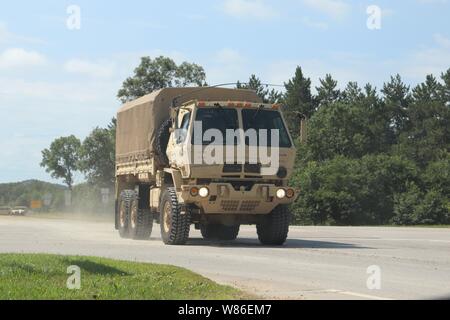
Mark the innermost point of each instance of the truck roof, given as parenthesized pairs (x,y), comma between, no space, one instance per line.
(164,97)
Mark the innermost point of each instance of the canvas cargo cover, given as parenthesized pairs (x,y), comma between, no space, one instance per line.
(138,121)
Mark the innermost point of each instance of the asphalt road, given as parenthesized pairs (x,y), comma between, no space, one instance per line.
(316,262)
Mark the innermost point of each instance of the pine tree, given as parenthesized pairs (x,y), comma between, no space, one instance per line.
(327,92)
(298,101)
(427,91)
(370,95)
(254,83)
(274,96)
(352,93)
(395,91)
(444,90)
(397,97)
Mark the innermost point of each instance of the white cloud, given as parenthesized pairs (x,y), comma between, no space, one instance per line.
(248,9)
(387,12)
(16,90)
(314,24)
(91,69)
(442,40)
(431,60)
(7,36)
(19,58)
(433,1)
(336,9)
(229,57)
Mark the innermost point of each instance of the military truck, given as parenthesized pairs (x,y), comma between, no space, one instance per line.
(159,177)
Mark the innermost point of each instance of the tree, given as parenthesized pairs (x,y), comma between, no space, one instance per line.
(351,130)
(298,101)
(97,156)
(444,90)
(347,191)
(327,92)
(397,97)
(161,72)
(416,207)
(426,137)
(254,83)
(395,91)
(274,96)
(352,93)
(189,74)
(427,91)
(61,160)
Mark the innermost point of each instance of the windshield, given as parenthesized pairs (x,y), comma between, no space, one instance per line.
(216,118)
(269,120)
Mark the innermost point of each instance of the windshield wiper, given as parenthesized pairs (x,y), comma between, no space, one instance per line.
(257,112)
(227,116)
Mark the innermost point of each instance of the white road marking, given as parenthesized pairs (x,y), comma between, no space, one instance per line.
(359,295)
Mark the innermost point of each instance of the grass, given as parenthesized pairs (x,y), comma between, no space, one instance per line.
(44,277)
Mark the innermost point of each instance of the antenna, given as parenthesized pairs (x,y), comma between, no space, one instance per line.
(175,100)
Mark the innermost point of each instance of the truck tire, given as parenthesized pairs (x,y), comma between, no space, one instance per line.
(141,220)
(175,226)
(124,213)
(219,232)
(273,229)
(162,140)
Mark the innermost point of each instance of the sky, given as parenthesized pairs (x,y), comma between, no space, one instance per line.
(62,62)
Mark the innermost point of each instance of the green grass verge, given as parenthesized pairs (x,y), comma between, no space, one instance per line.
(44,277)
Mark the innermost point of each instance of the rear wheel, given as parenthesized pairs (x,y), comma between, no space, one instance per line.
(274,228)
(219,231)
(141,220)
(175,224)
(124,213)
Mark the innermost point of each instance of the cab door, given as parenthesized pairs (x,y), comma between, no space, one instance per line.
(180,141)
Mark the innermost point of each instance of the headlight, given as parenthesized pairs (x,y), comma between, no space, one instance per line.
(281,193)
(203,192)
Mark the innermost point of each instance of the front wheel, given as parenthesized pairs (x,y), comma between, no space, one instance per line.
(273,229)
(175,224)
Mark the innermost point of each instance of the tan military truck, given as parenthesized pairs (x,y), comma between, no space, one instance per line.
(169,167)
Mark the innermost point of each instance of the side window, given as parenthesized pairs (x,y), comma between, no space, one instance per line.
(183,128)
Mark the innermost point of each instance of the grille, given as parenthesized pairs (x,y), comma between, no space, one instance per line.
(249,205)
(229,205)
(232,168)
(252,168)
(248,185)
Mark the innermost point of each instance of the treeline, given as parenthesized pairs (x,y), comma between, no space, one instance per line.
(84,197)
(22,193)
(372,156)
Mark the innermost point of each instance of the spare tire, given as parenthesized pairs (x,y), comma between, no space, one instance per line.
(162,140)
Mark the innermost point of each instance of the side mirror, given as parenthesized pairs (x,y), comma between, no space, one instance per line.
(303,126)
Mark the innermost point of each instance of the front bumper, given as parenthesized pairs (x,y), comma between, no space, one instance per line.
(224,199)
